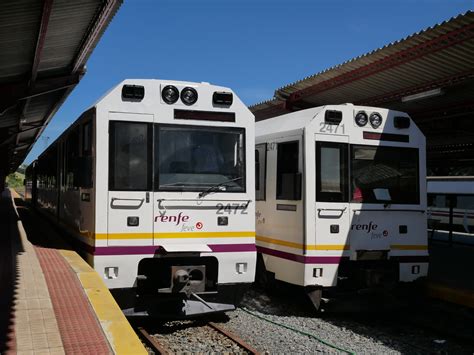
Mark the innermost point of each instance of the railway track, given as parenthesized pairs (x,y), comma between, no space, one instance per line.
(162,343)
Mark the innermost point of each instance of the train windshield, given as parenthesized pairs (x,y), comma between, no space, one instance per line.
(384,175)
(194,158)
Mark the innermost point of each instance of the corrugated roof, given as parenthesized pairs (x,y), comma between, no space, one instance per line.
(441,56)
(44,46)
(406,43)
(439,53)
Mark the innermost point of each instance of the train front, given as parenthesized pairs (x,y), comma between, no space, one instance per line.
(184,230)
(370,211)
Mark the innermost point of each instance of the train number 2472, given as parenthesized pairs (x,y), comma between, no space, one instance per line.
(232,207)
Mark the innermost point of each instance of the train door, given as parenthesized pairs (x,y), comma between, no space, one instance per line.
(130,206)
(284,208)
(332,192)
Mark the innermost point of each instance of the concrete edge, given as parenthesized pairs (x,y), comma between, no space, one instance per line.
(115,326)
(449,294)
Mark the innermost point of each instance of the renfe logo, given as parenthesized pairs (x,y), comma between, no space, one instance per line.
(172,219)
(365,227)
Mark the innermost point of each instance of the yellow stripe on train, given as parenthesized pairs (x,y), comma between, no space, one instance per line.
(332,246)
(301,246)
(243,234)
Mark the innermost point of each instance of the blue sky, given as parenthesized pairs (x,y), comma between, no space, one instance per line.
(250,46)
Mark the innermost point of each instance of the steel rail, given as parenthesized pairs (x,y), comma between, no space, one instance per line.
(234,338)
(160,348)
(156,346)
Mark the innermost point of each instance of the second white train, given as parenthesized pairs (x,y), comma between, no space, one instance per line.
(341,198)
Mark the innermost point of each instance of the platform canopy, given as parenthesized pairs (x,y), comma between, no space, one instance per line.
(429,74)
(44,46)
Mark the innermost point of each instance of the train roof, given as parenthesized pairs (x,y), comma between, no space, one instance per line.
(291,122)
(152,86)
(298,120)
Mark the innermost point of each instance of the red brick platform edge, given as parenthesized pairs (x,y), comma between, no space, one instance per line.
(80,330)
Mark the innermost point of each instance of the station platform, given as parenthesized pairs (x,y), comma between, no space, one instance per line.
(51,300)
(450,273)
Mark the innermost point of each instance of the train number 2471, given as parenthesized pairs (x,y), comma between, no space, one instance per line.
(329,128)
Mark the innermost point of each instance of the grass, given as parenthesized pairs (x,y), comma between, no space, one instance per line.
(15,181)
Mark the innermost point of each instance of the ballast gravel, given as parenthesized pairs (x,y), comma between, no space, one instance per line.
(348,335)
(310,333)
(193,337)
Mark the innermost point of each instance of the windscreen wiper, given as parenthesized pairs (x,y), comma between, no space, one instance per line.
(214,187)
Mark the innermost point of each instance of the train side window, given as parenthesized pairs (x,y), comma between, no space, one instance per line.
(257,170)
(71,156)
(288,177)
(130,151)
(331,172)
(87,139)
(83,163)
(260,171)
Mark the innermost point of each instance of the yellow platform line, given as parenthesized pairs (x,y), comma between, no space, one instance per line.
(177,235)
(120,334)
(445,293)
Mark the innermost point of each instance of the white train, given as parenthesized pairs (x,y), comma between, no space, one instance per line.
(155,184)
(451,208)
(341,198)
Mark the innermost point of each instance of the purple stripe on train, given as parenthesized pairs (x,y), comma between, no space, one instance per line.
(152,249)
(335,259)
(300,258)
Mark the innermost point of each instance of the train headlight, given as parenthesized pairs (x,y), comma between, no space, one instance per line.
(375,120)
(361,118)
(170,94)
(189,96)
